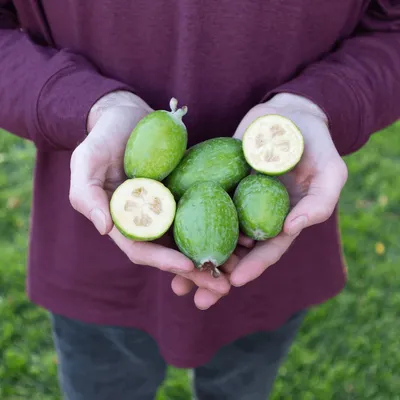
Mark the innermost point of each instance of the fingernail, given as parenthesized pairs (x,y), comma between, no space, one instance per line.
(297,225)
(99,220)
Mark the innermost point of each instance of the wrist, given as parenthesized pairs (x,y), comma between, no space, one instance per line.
(298,103)
(117,98)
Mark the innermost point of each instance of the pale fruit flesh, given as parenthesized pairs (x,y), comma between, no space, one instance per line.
(273,144)
(142,209)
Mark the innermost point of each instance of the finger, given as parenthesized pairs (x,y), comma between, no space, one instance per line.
(89,164)
(204,299)
(166,259)
(246,241)
(204,279)
(241,252)
(183,283)
(181,286)
(260,258)
(230,265)
(152,254)
(86,193)
(320,202)
(257,111)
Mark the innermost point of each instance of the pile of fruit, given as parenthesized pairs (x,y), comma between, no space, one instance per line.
(209,192)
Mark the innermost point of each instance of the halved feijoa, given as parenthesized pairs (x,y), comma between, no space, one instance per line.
(142,209)
(262,204)
(273,144)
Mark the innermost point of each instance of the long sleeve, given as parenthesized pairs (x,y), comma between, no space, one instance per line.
(45,94)
(358,85)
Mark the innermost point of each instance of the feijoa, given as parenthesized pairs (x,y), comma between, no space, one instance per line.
(157,144)
(220,160)
(142,209)
(262,204)
(206,227)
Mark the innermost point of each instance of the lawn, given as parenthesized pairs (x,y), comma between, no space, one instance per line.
(347,349)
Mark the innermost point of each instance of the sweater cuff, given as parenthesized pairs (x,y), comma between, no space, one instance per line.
(336,97)
(64,103)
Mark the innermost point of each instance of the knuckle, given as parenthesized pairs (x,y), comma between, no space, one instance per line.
(133,257)
(225,290)
(74,199)
(138,254)
(277,256)
(322,215)
(167,268)
(220,290)
(340,169)
(76,155)
(344,172)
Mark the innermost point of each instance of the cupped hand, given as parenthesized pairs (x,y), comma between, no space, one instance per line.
(314,188)
(97,170)
(314,185)
(203,297)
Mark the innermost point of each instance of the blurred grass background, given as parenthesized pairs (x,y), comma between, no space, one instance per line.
(347,349)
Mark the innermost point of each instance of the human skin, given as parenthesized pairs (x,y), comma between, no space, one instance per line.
(97,170)
(314,187)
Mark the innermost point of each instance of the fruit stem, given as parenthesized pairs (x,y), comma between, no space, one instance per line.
(178,112)
(216,273)
(173,104)
(210,266)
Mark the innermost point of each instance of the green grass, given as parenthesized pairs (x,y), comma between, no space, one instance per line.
(347,349)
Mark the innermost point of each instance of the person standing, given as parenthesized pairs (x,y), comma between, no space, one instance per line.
(77,76)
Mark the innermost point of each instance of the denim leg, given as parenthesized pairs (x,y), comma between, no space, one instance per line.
(246,369)
(103,363)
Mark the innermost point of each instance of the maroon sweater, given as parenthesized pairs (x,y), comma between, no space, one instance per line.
(222,57)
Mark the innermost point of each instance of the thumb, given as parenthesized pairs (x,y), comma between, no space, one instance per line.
(321,200)
(256,112)
(87,195)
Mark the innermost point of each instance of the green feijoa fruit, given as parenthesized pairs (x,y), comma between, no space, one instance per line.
(142,209)
(206,227)
(273,144)
(262,204)
(157,144)
(220,160)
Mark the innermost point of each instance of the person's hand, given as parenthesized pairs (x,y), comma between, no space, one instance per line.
(203,297)
(314,186)
(97,170)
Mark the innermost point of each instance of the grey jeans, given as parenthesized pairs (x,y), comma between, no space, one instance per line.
(112,363)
